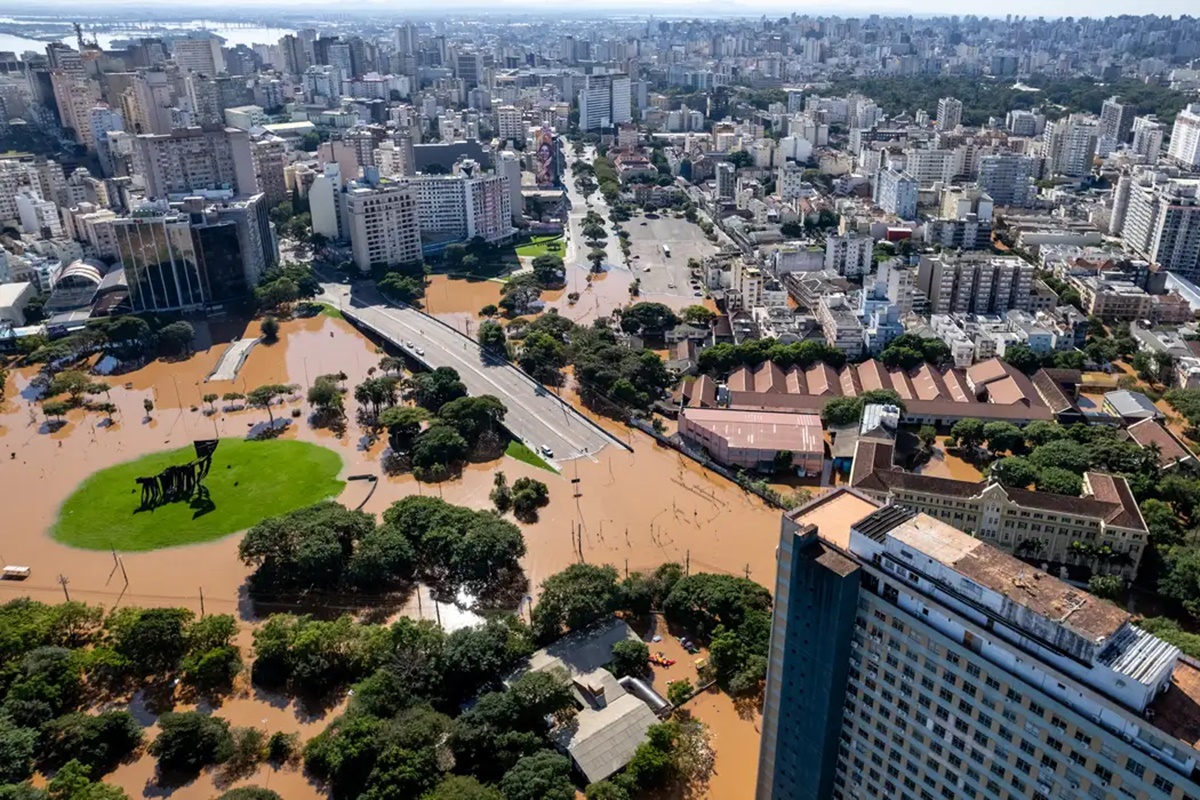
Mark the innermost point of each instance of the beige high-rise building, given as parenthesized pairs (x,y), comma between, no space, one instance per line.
(76,94)
(382,222)
(190,159)
(1185,138)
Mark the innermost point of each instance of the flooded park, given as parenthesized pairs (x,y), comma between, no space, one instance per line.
(632,508)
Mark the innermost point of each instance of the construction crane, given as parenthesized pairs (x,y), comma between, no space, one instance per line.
(78,34)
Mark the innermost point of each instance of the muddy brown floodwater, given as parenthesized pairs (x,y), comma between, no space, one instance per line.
(634,510)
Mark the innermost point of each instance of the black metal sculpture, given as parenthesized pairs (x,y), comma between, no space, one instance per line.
(178,482)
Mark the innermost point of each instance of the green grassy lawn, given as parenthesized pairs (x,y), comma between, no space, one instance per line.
(331,311)
(520,452)
(540,246)
(248,482)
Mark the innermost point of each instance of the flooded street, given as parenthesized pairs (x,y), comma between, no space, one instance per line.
(633,510)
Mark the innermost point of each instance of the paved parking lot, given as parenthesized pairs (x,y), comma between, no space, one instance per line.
(685,240)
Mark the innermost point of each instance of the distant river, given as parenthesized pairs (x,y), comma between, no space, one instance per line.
(233,36)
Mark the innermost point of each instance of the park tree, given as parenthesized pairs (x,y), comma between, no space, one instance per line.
(679,691)
(650,319)
(402,288)
(73,782)
(698,315)
(1108,587)
(305,549)
(1041,431)
(597,256)
(325,396)
(432,390)
(1181,580)
(841,411)
(630,657)
(175,339)
(520,294)
(250,793)
(575,598)
(270,329)
(99,741)
(1162,523)
(545,775)
(463,787)
(55,408)
(1024,359)
(1014,471)
(472,417)
(968,433)
(189,741)
(72,383)
(153,641)
(492,337)
(17,748)
(528,495)
(264,396)
(501,494)
(403,424)
(542,356)
(378,393)
(1059,481)
(927,435)
(1061,454)
(548,271)
(1003,437)
(210,399)
(437,451)
(489,310)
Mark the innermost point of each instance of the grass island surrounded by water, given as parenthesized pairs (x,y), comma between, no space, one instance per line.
(248,481)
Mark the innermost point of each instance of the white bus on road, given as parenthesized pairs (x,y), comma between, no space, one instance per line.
(666,251)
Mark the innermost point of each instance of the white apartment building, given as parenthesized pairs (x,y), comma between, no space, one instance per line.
(1069,145)
(604,101)
(949,113)
(38,215)
(382,223)
(245,117)
(1161,220)
(841,326)
(849,254)
(323,203)
(974,283)
(1185,138)
(199,55)
(896,193)
(790,181)
(510,123)
(1148,135)
(1116,123)
(459,207)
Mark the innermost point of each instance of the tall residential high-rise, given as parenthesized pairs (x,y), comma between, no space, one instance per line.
(1116,124)
(464,205)
(979,283)
(896,193)
(910,659)
(1185,138)
(1160,219)
(726,175)
(1008,179)
(405,39)
(1070,145)
(949,113)
(199,55)
(295,57)
(1148,135)
(76,94)
(191,159)
(604,100)
(381,220)
(193,255)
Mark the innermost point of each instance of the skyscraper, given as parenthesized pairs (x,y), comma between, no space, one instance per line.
(1185,138)
(911,660)
(1007,178)
(381,219)
(1070,145)
(1148,134)
(604,101)
(1160,219)
(949,113)
(1116,124)
(191,159)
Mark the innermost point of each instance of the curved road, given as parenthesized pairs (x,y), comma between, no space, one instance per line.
(535,415)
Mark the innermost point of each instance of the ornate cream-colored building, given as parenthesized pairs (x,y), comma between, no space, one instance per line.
(1103,529)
